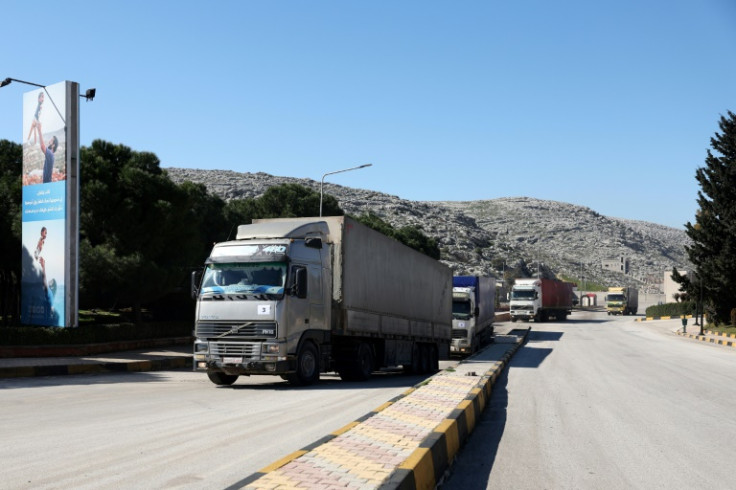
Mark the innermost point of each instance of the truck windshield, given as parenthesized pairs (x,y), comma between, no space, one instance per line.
(522,294)
(616,297)
(461,310)
(256,279)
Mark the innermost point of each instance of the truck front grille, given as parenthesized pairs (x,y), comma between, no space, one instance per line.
(212,329)
(239,349)
(459,333)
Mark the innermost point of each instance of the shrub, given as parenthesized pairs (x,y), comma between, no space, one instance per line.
(92,334)
(672,309)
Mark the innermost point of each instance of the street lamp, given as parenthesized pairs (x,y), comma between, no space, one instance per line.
(321,185)
(89,94)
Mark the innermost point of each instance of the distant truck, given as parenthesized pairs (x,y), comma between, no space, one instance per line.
(540,300)
(296,297)
(622,301)
(473,301)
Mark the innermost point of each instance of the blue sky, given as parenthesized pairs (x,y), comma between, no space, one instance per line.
(609,105)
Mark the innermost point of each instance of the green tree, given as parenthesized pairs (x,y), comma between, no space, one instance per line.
(713,248)
(280,201)
(140,232)
(11,163)
(294,200)
(410,236)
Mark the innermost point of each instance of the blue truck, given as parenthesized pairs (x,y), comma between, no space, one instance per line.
(473,312)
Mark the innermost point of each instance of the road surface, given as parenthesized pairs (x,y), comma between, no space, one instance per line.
(168,429)
(602,402)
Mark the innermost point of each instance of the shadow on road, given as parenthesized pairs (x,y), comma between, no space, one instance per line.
(535,336)
(331,381)
(472,473)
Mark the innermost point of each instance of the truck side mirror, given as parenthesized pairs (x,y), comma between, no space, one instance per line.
(476,312)
(194,284)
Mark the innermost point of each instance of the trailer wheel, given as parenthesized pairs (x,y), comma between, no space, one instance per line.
(361,367)
(434,359)
(221,379)
(364,362)
(416,360)
(424,359)
(307,366)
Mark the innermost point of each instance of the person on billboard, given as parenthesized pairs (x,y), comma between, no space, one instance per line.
(36,116)
(48,152)
(39,247)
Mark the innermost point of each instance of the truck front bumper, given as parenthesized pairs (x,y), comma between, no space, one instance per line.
(241,358)
(460,346)
(245,368)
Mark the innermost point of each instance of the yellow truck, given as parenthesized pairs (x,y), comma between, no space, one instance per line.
(622,301)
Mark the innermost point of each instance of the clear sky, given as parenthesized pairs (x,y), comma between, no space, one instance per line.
(609,104)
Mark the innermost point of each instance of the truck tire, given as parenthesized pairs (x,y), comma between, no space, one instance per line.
(434,359)
(307,366)
(364,362)
(361,367)
(222,379)
(424,360)
(416,360)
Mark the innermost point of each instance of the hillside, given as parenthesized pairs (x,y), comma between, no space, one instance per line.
(479,236)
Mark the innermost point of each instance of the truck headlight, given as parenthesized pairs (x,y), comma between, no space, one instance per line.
(272,349)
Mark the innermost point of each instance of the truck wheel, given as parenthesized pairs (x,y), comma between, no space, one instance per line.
(424,359)
(513,319)
(416,360)
(364,363)
(359,368)
(221,379)
(307,366)
(434,359)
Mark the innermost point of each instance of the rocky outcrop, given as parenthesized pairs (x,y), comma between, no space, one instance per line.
(483,237)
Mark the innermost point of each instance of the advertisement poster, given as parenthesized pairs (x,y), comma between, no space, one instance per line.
(44,206)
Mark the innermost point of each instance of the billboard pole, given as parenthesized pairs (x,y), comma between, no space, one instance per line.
(72,206)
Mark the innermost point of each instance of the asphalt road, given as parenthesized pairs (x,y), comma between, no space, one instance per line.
(602,402)
(168,429)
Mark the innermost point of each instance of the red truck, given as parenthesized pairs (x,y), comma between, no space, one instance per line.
(540,299)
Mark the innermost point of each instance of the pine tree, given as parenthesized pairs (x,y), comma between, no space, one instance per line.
(713,249)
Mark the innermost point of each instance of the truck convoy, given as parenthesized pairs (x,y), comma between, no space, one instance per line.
(540,299)
(296,297)
(473,300)
(622,301)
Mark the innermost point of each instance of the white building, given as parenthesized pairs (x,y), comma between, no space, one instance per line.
(670,287)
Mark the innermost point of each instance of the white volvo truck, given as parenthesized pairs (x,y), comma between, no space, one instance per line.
(296,297)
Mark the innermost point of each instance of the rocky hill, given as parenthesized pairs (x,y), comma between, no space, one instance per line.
(489,236)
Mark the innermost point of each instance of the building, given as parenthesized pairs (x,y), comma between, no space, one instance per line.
(620,264)
(670,287)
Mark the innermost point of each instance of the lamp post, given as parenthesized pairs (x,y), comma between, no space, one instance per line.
(322,183)
(699,305)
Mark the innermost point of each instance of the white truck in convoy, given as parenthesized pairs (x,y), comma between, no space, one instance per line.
(296,297)
(540,299)
(473,312)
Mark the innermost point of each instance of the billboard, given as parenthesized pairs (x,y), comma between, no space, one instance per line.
(50,210)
